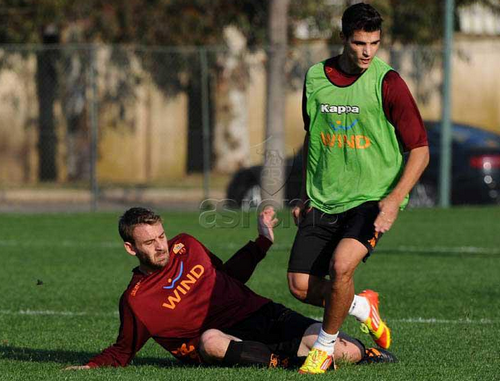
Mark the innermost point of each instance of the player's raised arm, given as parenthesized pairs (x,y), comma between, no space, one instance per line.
(243,263)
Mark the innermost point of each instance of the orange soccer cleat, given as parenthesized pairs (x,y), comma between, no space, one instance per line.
(374,325)
(377,356)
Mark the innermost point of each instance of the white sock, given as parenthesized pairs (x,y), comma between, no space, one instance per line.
(326,342)
(360,308)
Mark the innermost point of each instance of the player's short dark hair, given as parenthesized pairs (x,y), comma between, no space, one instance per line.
(133,217)
(360,16)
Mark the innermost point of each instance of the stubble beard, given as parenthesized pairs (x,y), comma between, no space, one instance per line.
(153,264)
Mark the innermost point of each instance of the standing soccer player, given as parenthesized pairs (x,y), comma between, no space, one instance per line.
(359,117)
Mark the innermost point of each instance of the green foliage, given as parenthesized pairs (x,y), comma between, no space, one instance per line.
(420,22)
(201,22)
(155,22)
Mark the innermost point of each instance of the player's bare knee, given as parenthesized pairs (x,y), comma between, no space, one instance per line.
(341,271)
(297,288)
(298,293)
(210,344)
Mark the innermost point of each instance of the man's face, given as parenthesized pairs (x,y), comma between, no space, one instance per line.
(150,246)
(360,48)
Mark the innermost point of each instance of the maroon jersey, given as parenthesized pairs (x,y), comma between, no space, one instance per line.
(399,106)
(175,305)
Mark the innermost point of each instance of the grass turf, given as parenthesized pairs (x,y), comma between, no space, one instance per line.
(438,272)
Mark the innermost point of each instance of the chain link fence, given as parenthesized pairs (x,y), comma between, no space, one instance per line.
(91,126)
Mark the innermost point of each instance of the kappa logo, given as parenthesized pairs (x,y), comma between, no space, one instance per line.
(179,248)
(338,109)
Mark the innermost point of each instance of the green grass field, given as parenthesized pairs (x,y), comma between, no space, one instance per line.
(438,272)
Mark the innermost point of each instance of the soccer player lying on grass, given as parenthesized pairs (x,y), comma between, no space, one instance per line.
(198,308)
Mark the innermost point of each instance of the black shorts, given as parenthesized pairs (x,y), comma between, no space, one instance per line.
(277,326)
(319,234)
(280,328)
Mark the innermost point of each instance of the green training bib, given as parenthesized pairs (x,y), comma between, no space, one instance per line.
(354,154)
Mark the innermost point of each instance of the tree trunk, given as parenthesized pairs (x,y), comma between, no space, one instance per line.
(273,175)
(195,121)
(46,81)
(231,140)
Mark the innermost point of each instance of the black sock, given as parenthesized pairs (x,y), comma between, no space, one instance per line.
(247,353)
(295,362)
(360,345)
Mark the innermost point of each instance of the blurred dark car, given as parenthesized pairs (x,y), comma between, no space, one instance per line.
(475,172)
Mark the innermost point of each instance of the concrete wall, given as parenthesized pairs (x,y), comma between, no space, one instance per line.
(476,82)
(142,136)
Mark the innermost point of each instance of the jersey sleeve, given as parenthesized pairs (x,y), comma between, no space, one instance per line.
(401,110)
(243,263)
(131,338)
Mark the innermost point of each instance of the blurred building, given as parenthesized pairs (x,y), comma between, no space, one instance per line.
(478,20)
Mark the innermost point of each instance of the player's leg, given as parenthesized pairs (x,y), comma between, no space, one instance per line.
(213,345)
(258,339)
(310,256)
(346,348)
(313,290)
(308,288)
(217,347)
(346,257)
(309,261)
(348,254)
(365,305)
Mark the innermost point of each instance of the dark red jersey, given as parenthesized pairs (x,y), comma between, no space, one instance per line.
(175,305)
(399,106)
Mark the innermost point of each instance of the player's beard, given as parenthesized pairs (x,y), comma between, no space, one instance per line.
(155,263)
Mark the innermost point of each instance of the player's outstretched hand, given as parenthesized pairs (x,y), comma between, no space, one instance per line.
(77,367)
(266,222)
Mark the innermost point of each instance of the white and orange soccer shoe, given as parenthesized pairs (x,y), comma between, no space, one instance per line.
(374,325)
(317,362)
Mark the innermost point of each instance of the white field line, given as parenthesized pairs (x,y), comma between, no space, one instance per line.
(443,249)
(418,320)
(399,249)
(445,321)
(60,243)
(56,313)
(235,246)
